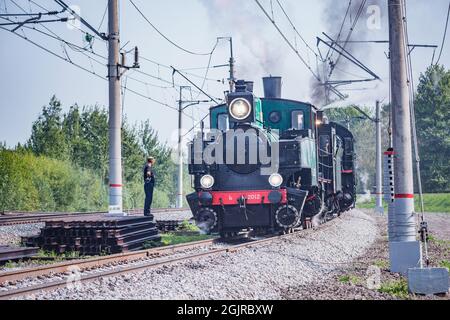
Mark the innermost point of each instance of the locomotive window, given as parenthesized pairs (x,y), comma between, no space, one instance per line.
(348,146)
(275,116)
(324,145)
(297,120)
(222,122)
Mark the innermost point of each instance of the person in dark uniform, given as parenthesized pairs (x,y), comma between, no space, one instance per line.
(149,184)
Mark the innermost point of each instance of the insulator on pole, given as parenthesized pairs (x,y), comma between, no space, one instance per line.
(136,57)
(123,59)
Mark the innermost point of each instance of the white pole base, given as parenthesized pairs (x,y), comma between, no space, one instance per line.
(116,211)
(404,255)
(428,280)
(379,210)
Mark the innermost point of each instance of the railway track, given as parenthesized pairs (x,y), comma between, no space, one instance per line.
(95,268)
(15,217)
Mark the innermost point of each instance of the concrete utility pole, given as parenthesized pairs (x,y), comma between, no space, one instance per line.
(115,114)
(181,108)
(378,164)
(232,77)
(180,150)
(404,250)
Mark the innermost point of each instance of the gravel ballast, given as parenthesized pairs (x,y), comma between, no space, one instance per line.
(11,235)
(260,272)
(172,215)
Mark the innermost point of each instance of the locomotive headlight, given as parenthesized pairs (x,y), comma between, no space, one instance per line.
(207,181)
(240,108)
(275,180)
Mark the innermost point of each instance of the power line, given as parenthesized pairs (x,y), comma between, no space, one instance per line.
(164,36)
(158,64)
(207,68)
(195,85)
(287,40)
(84,51)
(352,28)
(340,30)
(295,29)
(445,34)
(52,53)
(74,25)
(87,70)
(90,27)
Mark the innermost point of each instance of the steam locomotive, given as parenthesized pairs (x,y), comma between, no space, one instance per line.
(269,164)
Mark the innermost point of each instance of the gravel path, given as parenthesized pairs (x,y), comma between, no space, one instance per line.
(439,224)
(262,272)
(350,281)
(173,215)
(11,235)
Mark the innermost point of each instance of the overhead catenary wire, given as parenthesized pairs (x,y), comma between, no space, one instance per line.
(84,51)
(295,28)
(352,28)
(89,71)
(164,36)
(330,52)
(445,35)
(87,53)
(287,41)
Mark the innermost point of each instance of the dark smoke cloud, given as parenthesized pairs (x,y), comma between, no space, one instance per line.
(366,28)
(243,21)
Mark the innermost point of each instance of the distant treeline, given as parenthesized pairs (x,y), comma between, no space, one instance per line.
(64,164)
(432,110)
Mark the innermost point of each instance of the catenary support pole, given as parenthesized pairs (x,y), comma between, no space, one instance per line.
(404,249)
(378,164)
(115,114)
(180,151)
(232,77)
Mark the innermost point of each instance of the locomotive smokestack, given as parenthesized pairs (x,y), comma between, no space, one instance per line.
(272,87)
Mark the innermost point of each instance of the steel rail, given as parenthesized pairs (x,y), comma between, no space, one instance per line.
(105,261)
(98,262)
(18,217)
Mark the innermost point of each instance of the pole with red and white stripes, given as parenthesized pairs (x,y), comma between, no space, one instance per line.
(115,114)
(404,249)
(401,124)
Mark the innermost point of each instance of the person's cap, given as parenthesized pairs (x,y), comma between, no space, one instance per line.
(150,158)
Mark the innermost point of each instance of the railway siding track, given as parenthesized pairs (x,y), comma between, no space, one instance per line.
(18,217)
(95,268)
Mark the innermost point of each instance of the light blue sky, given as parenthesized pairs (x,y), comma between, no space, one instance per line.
(31,76)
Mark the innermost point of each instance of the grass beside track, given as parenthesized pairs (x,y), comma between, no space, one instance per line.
(433,202)
(168,239)
(186,232)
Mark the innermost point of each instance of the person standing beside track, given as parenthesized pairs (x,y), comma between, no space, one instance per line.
(149,184)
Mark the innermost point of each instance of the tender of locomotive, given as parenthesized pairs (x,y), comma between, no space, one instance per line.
(269,164)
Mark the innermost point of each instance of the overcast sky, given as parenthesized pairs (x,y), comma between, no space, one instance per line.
(30,76)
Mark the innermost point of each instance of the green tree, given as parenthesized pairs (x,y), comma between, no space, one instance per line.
(79,137)
(47,135)
(363,130)
(432,106)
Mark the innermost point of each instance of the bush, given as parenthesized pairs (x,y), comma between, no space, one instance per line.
(37,183)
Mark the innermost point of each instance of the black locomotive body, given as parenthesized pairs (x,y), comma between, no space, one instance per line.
(269,164)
